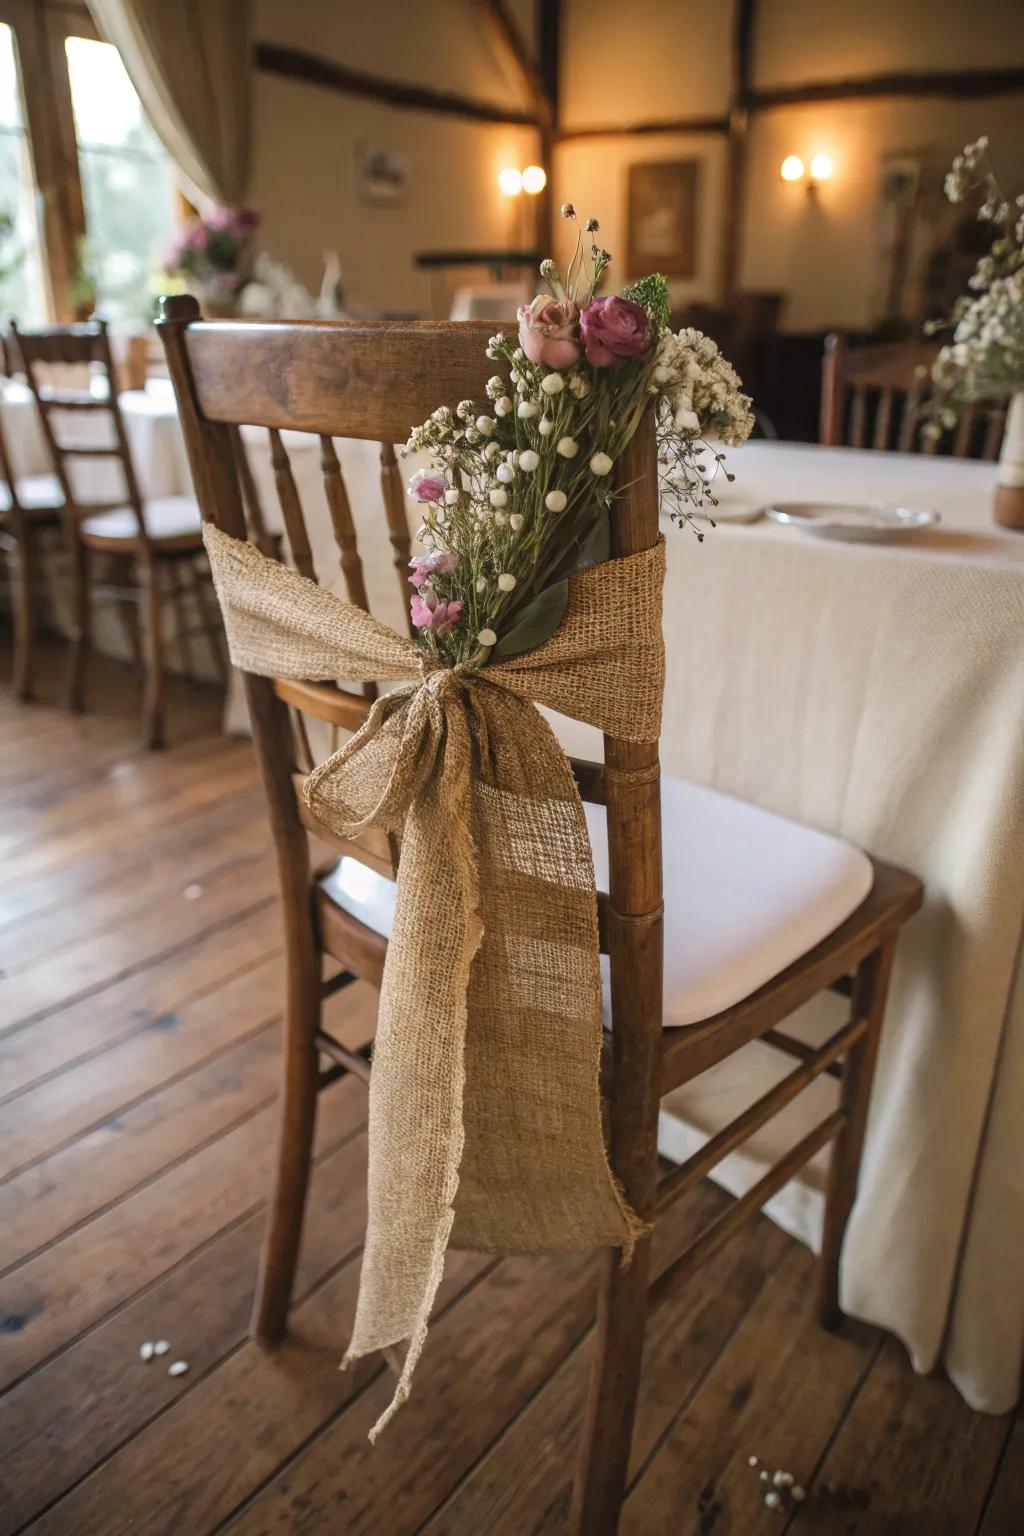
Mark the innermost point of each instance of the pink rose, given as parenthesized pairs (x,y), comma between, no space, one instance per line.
(614,330)
(427,487)
(428,613)
(549,332)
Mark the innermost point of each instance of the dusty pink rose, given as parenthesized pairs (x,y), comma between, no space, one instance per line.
(427,487)
(430,613)
(549,332)
(614,331)
(424,566)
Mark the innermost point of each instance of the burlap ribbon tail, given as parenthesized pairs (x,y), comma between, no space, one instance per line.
(485,1113)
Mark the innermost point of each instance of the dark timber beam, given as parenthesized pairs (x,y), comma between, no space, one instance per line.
(736,149)
(312,69)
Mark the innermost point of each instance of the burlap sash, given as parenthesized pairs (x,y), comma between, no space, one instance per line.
(484,1098)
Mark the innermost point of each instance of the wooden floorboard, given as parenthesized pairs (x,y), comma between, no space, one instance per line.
(141,982)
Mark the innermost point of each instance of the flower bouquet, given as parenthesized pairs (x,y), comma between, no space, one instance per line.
(215,256)
(985,360)
(518,492)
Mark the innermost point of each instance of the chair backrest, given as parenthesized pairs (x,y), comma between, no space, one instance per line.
(48,356)
(374,382)
(874,397)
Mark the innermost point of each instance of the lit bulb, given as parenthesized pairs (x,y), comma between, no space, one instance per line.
(535,179)
(821,167)
(510,181)
(792,168)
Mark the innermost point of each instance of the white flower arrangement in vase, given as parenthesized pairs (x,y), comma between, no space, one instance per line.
(985,359)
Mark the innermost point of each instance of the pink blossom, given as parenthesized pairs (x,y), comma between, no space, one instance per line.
(549,332)
(436,616)
(614,331)
(424,566)
(428,488)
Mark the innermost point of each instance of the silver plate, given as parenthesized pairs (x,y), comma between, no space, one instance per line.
(852,520)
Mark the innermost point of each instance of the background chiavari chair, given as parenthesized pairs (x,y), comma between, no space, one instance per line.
(813,912)
(30,507)
(152,540)
(875,397)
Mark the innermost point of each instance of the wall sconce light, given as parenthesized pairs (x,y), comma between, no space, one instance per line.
(532,179)
(819,170)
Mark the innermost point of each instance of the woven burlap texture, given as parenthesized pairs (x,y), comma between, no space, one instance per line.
(485,1113)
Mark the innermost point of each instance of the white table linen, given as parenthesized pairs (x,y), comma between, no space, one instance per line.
(876,692)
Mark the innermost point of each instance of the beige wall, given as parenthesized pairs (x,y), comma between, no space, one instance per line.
(304,161)
(650,60)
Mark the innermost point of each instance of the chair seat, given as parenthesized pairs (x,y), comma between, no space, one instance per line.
(36,493)
(168,518)
(746,894)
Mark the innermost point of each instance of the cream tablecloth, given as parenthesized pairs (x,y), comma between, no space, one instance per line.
(876,691)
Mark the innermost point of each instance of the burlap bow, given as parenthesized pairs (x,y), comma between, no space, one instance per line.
(485,1106)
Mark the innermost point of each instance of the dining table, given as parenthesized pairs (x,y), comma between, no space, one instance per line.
(874,690)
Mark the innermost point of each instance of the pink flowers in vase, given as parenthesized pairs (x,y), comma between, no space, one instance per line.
(214,257)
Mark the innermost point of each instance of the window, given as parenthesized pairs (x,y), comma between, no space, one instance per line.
(87,182)
(127,183)
(22,292)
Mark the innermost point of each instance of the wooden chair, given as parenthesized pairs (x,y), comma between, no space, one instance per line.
(150,540)
(375,382)
(874,397)
(30,506)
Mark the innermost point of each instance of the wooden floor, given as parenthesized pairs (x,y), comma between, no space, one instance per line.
(139,993)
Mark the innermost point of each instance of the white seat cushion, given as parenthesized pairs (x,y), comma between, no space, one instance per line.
(746,894)
(36,493)
(167,517)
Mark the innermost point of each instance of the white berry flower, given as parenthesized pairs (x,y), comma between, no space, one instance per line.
(545,426)
(528,460)
(498,497)
(491,451)
(522,388)
(579,386)
(516,521)
(519,356)
(499,519)
(452,497)
(502,406)
(555,501)
(568,447)
(480,583)
(527,410)
(505,473)
(552,384)
(601,464)
(506,581)
(487,637)
(485,425)
(514,376)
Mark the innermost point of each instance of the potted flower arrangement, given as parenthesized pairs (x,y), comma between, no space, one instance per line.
(214,258)
(985,359)
(518,490)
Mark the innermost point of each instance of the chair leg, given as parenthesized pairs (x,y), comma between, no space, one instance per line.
(153,645)
(869,993)
(611,1404)
(25,578)
(283,1235)
(81,615)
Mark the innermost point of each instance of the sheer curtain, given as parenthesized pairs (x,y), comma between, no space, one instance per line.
(191,63)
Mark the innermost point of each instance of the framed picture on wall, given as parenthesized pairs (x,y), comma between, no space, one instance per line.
(662,218)
(382,175)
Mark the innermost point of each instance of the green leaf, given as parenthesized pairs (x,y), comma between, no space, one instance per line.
(536,622)
(652,292)
(597,546)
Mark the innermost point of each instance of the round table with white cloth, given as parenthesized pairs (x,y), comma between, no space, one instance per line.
(875,691)
(152,428)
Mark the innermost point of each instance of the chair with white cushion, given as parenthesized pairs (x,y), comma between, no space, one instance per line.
(159,542)
(30,506)
(759,914)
